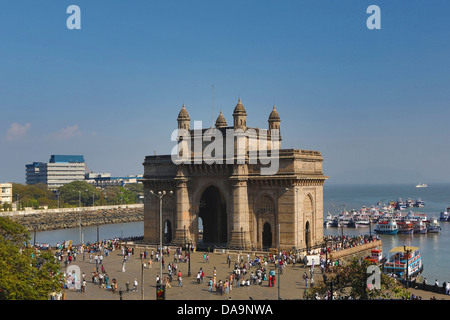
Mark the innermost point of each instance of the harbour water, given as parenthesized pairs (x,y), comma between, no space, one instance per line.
(435,248)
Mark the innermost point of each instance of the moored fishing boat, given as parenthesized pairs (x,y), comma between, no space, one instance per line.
(433,226)
(419,203)
(405,227)
(362,221)
(420,227)
(445,215)
(404,262)
(328,221)
(386,227)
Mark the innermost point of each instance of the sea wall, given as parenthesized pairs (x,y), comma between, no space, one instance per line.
(356,251)
(54,219)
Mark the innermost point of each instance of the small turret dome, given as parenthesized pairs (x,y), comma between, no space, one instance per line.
(221,122)
(274,114)
(183,115)
(239,109)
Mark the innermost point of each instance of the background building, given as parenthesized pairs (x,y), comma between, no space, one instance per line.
(6,193)
(103,180)
(60,170)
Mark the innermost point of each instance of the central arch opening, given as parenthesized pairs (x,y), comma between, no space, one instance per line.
(267,236)
(213,217)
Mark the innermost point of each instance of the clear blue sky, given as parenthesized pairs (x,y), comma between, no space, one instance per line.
(374,102)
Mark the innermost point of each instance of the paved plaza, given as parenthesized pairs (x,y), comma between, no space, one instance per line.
(292,286)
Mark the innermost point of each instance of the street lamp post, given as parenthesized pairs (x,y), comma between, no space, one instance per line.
(279,264)
(79,212)
(160,195)
(189,257)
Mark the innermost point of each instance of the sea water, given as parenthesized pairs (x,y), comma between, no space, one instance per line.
(434,247)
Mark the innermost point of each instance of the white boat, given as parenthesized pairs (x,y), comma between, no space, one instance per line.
(422,185)
(328,221)
(405,262)
(410,203)
(419,203)
(420,227)
(445,216)
(346,221)
(362,221)
(401,204)
(386,227)
(405,226)
(433,226)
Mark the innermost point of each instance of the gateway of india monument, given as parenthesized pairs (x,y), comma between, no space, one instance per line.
(232,201)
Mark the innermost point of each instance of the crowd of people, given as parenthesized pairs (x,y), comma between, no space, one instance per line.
(337,243)
(244,269)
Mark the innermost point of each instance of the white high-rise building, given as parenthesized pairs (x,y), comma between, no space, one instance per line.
(60,170)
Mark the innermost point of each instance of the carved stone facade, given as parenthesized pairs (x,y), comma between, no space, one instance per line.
(237,205)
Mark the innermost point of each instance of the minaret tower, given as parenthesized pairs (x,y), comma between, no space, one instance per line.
(274,119)
(240,116)
(183,119)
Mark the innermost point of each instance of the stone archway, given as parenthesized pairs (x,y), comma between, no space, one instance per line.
(267,236)
(265,210)
(213,214)
(308,214)
(167,232)
(307,235)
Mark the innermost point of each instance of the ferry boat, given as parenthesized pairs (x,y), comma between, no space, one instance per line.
(346,220)
(410,203)
(445,216)
(415,216)
(422,185)
(433,226)
(362,221)
(419,203)
(405,227)
(376,256)
(401,204)
(328,221)
(386,227)
(404,262)
(420,227)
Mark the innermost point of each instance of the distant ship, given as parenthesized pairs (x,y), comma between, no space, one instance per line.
(422,185)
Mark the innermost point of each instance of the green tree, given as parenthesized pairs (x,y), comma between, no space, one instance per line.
(79,191)
(35,195)
(24,273)
(351,279)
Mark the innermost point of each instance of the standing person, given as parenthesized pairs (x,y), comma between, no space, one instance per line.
(180,279)
(135,285)
(210,285)
(124,263)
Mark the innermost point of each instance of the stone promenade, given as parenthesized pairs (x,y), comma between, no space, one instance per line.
(292,285)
